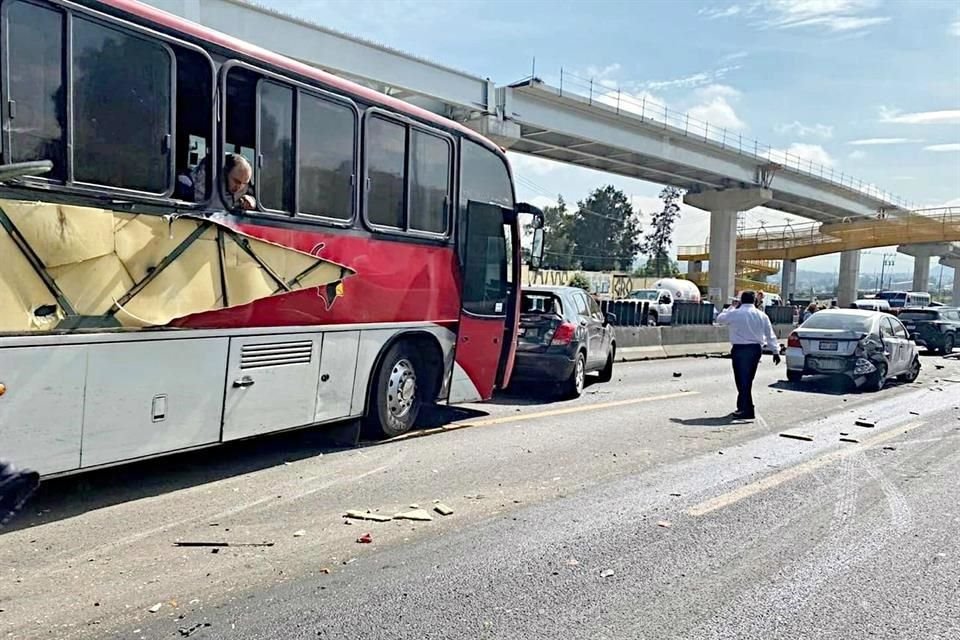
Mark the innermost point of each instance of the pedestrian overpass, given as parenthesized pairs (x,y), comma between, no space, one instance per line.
(577,123)
(923,233)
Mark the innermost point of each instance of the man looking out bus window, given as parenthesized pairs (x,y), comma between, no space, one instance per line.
(237,174)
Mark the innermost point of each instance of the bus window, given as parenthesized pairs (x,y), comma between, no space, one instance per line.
(194,130)
(37,94)
(241,114)
(430,160)
(122,111)
(386,171)
(326,157)
(275,166)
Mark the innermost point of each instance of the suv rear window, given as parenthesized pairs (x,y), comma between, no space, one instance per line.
(540,303)
(918,316)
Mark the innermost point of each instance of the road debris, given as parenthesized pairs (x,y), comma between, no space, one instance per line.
(914,413)
(889,448)
(155,607)
(607,573)
(325,570)
(186,632)
(675,495)
(443,509)
(865,423)
(221,544)
(413,506)
(853,440)
(299,533)
(417,514)
(666,524)
(797,436)
(366,538)
(366,515)
(572,562)
(677,374)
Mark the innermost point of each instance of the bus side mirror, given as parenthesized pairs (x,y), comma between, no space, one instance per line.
(536,248)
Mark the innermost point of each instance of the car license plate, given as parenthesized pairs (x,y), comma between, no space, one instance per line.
(828,365)
(828,345)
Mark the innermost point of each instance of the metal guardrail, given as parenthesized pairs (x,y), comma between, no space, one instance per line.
(629,313)
(606,93)
(687,313)
(781,315)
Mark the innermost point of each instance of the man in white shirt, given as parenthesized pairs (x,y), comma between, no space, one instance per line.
(750,329)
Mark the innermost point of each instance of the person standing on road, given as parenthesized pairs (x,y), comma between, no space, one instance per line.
(750,330)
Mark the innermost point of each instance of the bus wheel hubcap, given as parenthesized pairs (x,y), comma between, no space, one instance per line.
(402,388)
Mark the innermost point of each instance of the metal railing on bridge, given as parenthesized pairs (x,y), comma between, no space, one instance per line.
(678,122)
(938,224)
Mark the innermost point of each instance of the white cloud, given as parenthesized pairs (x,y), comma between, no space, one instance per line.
(713,13)
(525,165)
(801,130)
(695,80)
(866,142)
(737,55)
(832,15)
(543,201)
(953,146)
(946,116)
(805,152)
(718,91)
(716,109)
(857,155)
(602,73)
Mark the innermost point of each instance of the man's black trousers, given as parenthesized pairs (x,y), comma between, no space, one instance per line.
(746,358)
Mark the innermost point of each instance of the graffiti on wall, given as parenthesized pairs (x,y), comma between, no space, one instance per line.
(603,284)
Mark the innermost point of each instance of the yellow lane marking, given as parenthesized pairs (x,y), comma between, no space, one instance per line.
(764,484)
(541,414)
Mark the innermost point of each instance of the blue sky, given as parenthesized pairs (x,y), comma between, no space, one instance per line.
(869,87)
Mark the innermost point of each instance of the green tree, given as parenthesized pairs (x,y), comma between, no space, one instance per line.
(606,232)
(580,281)
(657,241)
(558,231)
(661,269)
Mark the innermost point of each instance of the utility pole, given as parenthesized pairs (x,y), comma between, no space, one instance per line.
(888,261)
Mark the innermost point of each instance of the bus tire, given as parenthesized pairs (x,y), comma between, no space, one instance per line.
(396,394)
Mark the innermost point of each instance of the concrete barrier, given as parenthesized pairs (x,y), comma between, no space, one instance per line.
(653,343)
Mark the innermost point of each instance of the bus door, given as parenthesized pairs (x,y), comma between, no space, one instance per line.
(485,241)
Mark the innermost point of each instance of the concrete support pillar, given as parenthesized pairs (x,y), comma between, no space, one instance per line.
(788,280)
(921,271)
(723,206)
(955,263)
(849,278)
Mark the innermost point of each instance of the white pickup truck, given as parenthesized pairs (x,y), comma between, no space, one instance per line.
(662,296)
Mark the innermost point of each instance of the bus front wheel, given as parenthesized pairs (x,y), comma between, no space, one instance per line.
(397,392)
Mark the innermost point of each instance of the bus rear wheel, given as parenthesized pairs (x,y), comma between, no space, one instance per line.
(397,392)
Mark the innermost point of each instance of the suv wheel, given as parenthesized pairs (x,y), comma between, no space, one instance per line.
(606,374)
(573,388)
(949,342)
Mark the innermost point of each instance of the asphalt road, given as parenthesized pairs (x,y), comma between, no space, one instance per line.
(634,512)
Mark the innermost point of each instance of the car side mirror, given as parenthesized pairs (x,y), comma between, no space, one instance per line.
(609,318)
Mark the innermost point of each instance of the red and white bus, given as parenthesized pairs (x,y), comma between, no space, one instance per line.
(141,314)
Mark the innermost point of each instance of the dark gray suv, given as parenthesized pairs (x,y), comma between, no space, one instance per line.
(563,336)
